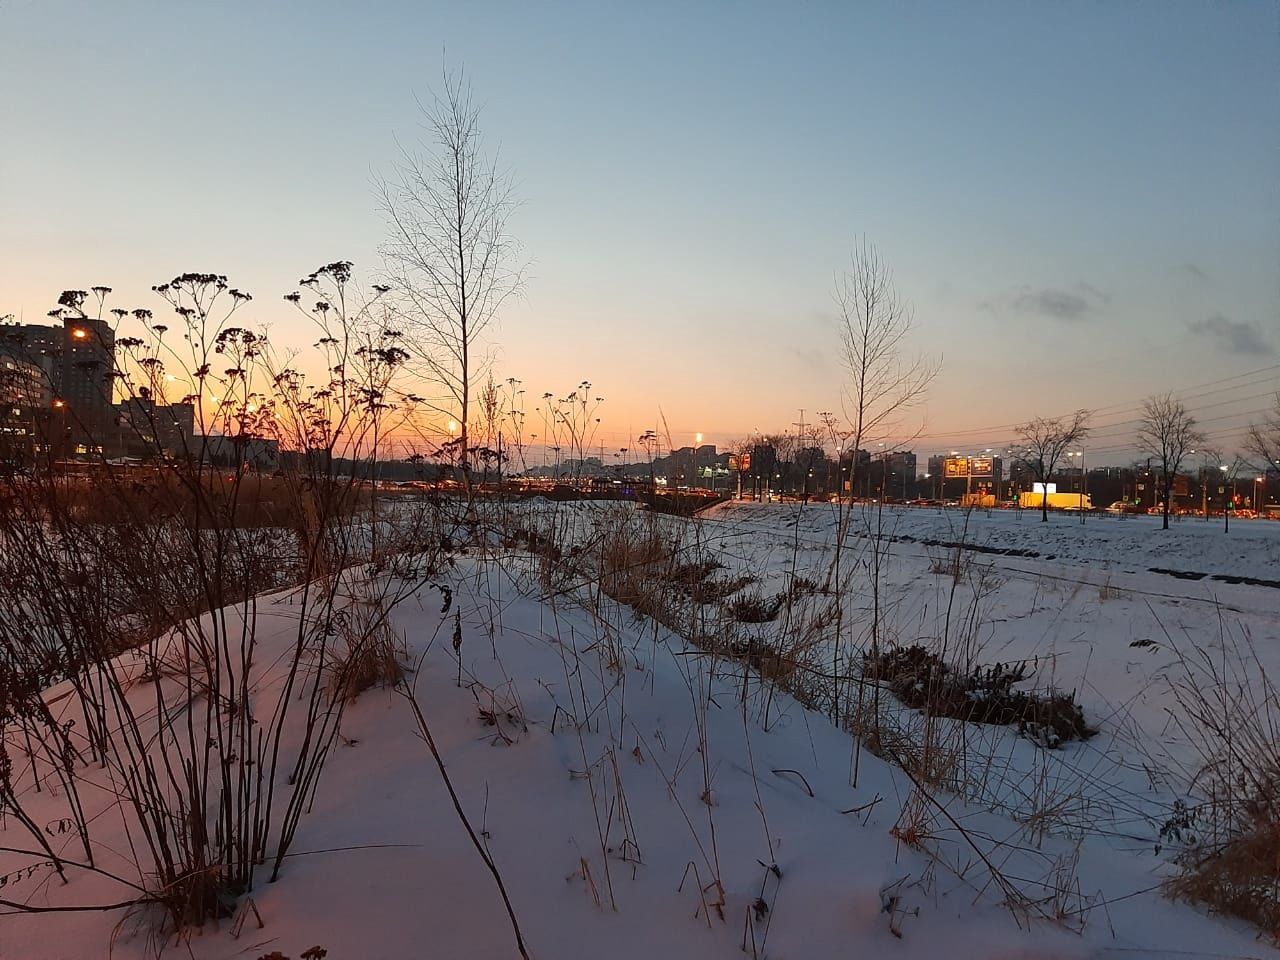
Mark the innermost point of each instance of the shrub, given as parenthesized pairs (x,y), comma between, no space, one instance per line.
(1230,832)
(754,607)
(923,681)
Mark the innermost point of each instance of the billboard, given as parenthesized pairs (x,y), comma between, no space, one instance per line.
(968,467)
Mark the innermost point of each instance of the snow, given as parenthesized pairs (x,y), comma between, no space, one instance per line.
(1087,611)
(589,791)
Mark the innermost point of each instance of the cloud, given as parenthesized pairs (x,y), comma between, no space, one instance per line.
(1232,336)
(815,361)
(1055,304)
(1094,292)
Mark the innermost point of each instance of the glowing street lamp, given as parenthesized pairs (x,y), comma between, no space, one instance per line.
(1227,497)
(1080,454)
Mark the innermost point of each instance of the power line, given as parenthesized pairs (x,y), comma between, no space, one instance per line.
(1126,406)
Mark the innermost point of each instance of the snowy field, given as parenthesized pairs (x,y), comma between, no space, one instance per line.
(640,800)
(1132,544)
(1080,601)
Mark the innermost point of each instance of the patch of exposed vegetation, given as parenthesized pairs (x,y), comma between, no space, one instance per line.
(923,681)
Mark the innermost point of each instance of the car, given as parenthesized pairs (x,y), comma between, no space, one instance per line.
(1123,506)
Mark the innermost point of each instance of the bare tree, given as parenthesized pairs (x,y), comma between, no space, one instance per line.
(874,321)
(1263,440)
(449,257)
(1042,442)
(778,467)
(1168,433)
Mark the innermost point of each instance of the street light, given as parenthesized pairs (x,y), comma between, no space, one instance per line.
(1226,500)
(1080,454)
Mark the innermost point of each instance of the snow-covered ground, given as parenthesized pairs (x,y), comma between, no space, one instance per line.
(1079,601)
(1251,548)
(637,805)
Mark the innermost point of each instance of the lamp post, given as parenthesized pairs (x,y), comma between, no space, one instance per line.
(1079,455)
(452,427)
(1204,492)
(697,442)
(1226,502)
(884,470)
(1257,488)
(1084,483)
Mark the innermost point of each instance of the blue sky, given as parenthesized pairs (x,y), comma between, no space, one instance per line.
(1081,201)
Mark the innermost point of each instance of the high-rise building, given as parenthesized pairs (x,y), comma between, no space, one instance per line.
(40,347)
(88,367)
(22,414)
(63,376)
(147,429)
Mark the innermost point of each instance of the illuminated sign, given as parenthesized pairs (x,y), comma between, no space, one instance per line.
(968,467)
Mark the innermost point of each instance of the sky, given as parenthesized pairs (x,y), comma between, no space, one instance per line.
(1081,202)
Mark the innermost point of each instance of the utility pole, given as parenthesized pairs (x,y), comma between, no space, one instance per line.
(1084,484)
(804,481)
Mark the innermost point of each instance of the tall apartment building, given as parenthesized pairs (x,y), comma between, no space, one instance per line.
(147,429)
(38,347)
(87,382)
(59,378)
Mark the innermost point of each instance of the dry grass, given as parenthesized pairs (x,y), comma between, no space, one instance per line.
(755,607)
(206,497)
(920,679)
(1239,877)
(657,568)
(167,563)
(1107,591)
(1228,834)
